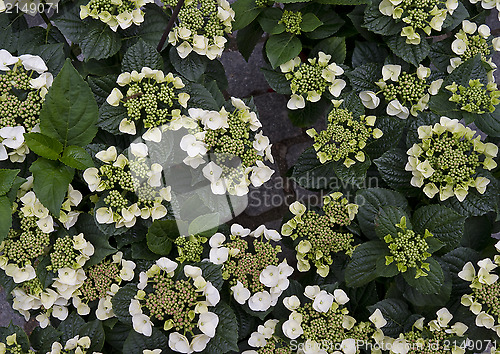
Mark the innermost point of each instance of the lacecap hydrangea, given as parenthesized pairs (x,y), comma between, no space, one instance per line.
(201,28)
(447,161)
(115,13)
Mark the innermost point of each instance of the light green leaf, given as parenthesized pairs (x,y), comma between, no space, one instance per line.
(76,157)
(204,225)
(69,113)
(44,145)
(50,183)
(282,48)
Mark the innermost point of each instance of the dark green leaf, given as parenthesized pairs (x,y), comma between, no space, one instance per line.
(160,236)
(472,69)
(362,268)
(70,327)
(370,201)
(386,220)
(69,113)
(477,232)
(42,338)
(363,78)
(246,324)
(309,173)
(247,38)
(445,224)
(7,178)
(21,337)
(308,115)
(140,250)
(93,234)
(101,86)
(368,52)
(155,21)
(489,123)
(11,31)
(392,127)
(99,41)
(454,20)
(423,118)
(411,53)
(12,193)
(215,72)
(282,48)
(212,273)
(110,117)
(396,312)
(191,67)
(5,217)
(226,334)
(200,97)
(50,183)
(76,157)
(332,23)
(121,302)
(269,21)
(309,22)
(95,332)
(391,166)
(334,46)
(277,81)
(52,54)
(430,284)
(245,12)
(455,260)
(354,175)
(136,342)
(378,23)
(43,145)
(430,300)
(476,204)
(68,21)
(141,55)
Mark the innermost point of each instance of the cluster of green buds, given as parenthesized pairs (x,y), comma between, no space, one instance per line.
(11,346)
(70,252)
(345,137)
(311,79)
(237,150)
(179,303)
(103,281)
(408,249)
(252,268)
(201,28)
(320,235)
(468,44)
(24,82)
(291,20)
(151,99)
(266,341)
(189,248)
(420,16)
(133,187)
(323,323)
(114,13)
(437,336)
(75,345)
(31,207)
(446,162)
(405,93)
(476,97)
(484,301)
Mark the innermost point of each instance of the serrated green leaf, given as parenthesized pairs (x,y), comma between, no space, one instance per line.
(101,86)
(386,220)
(391,166)
(69,113)
(309,173)
(332,22)
(50,183)
(121,302)
(282,48)
(445,224)
(200,97)
(363,77)
(155,21)
(70,327)
(476,204)
(52,54)
(429,284)
(411,53)
(308,115)
(7,178)
(277,81)
(140,250)
(370,201)
(354,175)
(5,217)
(21,337)
(41,339)
(368,52)
(472,69)
(456,18)
(68,21)
(11,31)
(455,260)
(392,127)
(141,55)
(489,123)
(245,12)
(191,67)
(76,157)
(334,46)
(396,312)
(110,117)
(99,41)
(95,331)
(377,22)
(161,235)
(212,273)
(423,118)
(362,268)
(226,334)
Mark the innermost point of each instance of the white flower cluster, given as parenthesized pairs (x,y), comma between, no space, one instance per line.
(435,20)
(309,80)
(260,338)
(79,345)
(207,321)
(220,134)
(197,38)
(160,86)
(273,277)
(12,138)
(422,163)
(402,345)
(483,302)
(404,99)
(115,13)
(32,207)
(127,216)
